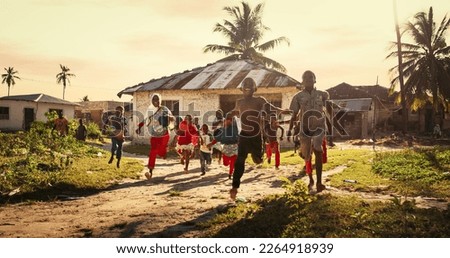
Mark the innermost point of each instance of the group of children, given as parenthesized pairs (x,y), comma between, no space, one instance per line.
(307,109)
(222,139)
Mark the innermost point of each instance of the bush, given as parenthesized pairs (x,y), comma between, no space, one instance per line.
(93,131)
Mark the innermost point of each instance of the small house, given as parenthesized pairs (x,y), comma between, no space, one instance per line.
(19,111)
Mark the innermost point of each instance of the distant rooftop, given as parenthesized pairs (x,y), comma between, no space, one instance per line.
(40,98)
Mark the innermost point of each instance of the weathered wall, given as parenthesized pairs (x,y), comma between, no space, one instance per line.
(16,112)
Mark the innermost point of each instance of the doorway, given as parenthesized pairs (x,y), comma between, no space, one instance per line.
(28,118)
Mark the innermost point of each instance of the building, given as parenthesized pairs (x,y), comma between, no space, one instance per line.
(201,91)
(18,112)
(98,111)
(363,110)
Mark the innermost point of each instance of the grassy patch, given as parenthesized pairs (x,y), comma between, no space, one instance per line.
(422,171)
(327,216)
(39,165)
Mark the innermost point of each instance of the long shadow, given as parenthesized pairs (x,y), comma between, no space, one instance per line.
(268,222)
(182,228)
(187,183)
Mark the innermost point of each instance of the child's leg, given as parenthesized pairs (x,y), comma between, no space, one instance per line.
(187,155)
(232,161)
(276,147)
(324,151)
(154,142)
(226,160)
(268,152)
(202,161)
(208,158)
(163,145)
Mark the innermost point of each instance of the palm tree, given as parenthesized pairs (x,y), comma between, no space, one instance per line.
(9,77)
(63,77)
(425,65)
(244,34)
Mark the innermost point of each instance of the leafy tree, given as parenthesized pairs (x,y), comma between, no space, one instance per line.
(85,98)
(425,65)
(244,34)
(9,77)
(63,77)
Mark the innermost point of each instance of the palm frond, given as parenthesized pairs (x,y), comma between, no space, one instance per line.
(244,32)
(219,49)
(273,43)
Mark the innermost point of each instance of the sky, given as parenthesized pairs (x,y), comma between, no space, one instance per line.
(113,44)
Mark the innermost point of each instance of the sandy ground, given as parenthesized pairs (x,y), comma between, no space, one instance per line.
(167,206)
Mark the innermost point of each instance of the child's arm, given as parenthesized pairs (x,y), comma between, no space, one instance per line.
(282,132)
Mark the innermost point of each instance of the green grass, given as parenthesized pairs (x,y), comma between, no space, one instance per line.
(327,216)
(421,171)
(33,167)
(297,214)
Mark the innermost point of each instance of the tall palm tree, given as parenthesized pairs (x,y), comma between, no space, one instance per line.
(424,65)
(244,34)
(63,77)
(9,77)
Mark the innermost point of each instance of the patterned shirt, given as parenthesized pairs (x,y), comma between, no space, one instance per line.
(309,109)
(159,122)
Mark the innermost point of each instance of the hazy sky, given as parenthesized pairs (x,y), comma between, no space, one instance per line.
(113,44)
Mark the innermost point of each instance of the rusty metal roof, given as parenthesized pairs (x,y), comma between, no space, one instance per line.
(219,75)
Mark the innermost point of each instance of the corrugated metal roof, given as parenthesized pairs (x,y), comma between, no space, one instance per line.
(219,75)
(347,91)
(363,104)
(41,98)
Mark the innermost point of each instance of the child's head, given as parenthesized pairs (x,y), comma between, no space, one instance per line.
(188,118)
(205,128)
(228,119)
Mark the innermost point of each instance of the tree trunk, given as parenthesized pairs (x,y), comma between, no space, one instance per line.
(64,88)
(400,73)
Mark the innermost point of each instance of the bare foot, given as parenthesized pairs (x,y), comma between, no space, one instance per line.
(310,185)
(149,174)
(320,188)
(233,193)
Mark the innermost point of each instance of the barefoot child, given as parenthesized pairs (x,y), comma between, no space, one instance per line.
(250,110)
(308,106)
(185,147)
(205,139)
(228,137)
(158,123)
(272,144)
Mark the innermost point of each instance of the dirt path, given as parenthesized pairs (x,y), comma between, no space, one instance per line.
(167,206)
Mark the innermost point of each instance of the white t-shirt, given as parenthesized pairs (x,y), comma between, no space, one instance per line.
(206,139)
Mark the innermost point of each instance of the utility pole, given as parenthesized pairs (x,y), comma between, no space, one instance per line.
(400,73)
